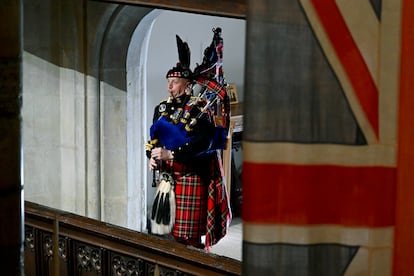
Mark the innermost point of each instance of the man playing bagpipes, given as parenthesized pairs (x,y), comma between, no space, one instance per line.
(189,131)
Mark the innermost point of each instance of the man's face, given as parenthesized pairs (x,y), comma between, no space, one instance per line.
(176,86)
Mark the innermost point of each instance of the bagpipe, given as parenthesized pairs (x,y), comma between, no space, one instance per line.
(210,99)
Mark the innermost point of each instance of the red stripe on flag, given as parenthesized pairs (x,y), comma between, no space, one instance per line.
(350,58)
(304,194)
(404,225)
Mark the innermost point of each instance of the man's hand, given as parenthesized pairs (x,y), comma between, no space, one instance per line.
(159,154)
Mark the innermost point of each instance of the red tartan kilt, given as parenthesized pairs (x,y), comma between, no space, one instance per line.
(191,202)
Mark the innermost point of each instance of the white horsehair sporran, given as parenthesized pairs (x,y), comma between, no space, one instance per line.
(163,207)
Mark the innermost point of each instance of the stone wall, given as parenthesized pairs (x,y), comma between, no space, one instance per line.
(75,106)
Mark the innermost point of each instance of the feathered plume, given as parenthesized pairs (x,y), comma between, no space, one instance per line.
(183,52)
(210,68)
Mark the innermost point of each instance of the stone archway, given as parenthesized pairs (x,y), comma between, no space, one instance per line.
(137,128)
(122,130)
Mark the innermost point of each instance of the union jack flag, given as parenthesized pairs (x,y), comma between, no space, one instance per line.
(320,141)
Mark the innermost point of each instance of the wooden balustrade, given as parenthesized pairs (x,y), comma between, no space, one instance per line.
(62,243)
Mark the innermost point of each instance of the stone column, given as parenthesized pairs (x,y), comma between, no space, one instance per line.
(11,186)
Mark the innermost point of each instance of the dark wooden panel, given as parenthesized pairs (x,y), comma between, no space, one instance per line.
(91,247)
(30,267)
(226,8)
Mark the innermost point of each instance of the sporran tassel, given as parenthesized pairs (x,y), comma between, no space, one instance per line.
(163,208)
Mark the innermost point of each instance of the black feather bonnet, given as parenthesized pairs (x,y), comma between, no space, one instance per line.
(182,69)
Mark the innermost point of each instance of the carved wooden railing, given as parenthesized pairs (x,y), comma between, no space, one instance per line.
(85,246)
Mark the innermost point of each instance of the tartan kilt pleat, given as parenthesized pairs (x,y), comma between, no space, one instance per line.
(191,204)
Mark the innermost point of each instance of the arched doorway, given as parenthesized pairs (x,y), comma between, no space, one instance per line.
(152,51)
